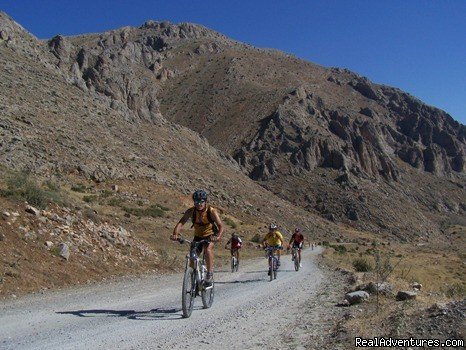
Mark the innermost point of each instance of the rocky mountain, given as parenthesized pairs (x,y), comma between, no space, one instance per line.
(165,99)
(56,127)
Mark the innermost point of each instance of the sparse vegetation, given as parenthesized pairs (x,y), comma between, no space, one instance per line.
(257,238)
(362,265)
(154,211)
(21,186)
(455,290)
(230,222)
(341,249)
(80,188)
(90,198)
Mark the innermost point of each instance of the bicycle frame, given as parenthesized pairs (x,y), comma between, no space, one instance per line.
(198,265)
(273,261)
(194,276)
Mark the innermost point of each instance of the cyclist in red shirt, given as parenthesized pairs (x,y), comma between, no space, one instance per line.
(235,245)
(296,241)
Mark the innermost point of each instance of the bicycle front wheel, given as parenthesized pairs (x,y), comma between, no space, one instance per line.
(296,263)
(232,264)
(189,292)
(271,269)
(208,296)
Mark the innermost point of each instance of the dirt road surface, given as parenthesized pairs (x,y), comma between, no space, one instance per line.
(248,312)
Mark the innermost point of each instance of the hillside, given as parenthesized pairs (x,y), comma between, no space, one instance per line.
(163,109)
(324,139)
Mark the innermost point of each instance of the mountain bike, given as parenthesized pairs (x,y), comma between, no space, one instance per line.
(294,254)
(234,262)
(273,261)
(194,275)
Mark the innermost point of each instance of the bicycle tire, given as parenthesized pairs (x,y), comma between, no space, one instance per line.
(275,274)
(232,264)
(188,292)
(271,269)
(237,265)
(296,262)
(207,296)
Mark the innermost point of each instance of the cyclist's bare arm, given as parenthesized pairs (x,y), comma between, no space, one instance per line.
(219,223)
(179,226)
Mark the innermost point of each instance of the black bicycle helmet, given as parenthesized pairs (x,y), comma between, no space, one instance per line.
(200,195)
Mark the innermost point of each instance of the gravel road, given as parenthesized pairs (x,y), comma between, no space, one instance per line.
(248,312)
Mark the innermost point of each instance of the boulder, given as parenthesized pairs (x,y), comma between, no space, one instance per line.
(356,297)
(30,209)
(64,251)
(405,295)
(376,287)
(48,244)
(367,112)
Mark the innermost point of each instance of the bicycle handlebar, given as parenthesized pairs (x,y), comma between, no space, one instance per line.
(184,240)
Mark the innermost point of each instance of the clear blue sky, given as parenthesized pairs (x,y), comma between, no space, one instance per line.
(416,45)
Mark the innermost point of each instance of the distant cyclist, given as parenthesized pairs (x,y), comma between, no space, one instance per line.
(274,239)
(296,242)
(206,221)
(235,245)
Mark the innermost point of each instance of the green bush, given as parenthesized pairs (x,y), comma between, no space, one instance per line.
(257,238)
(455,290)
(341,249)
(115,201)
(362,265)
(22,187)
(90,199)
(78,188)
(230,223)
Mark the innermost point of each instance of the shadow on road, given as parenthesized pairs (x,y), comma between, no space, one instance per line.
(154,314)
(237,281)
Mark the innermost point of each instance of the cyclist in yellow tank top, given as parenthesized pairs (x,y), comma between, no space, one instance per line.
(203,217)
(274,239)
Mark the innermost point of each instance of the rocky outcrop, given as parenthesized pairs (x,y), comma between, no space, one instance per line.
(287,139)
(127,64)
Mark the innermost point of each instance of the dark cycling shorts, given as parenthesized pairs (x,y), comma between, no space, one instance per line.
(202,246)
(297,245)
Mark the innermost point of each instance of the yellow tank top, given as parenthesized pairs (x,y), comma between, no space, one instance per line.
(202,226)
(273,239)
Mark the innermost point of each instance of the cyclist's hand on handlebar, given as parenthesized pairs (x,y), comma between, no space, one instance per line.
(174,237)
(215,239)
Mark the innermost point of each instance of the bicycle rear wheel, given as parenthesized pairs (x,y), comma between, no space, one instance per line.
(189,292)
(208,296)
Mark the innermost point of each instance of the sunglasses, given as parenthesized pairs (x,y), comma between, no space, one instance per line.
(199,202)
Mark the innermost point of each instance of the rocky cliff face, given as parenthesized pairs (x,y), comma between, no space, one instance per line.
(311,126)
